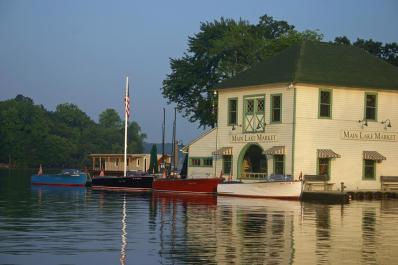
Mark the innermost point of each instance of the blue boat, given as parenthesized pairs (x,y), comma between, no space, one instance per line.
(68,177)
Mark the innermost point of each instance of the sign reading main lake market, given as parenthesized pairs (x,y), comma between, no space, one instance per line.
(259,138)
(369,136)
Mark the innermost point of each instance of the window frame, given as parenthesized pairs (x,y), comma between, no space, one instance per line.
(366,107)
(329,170)
(255,111)
(272,108)
(201,161)
(330,104)
(283,165)
(364,169)
(223,165)
(229,111)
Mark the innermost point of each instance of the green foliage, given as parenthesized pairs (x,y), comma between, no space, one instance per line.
(387,52)
(109,118)
(153,164)
(221,50)
(31,135)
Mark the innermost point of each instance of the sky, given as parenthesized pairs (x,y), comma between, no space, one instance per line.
(57,51)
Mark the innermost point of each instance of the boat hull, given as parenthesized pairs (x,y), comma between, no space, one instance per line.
(288,190)
(199,185)
(60,180)
(129,183)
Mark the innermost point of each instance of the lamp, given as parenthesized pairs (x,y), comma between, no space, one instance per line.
(364,122)
(387,123)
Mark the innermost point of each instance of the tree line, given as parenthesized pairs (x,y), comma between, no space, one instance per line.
(225,47)
(31,135)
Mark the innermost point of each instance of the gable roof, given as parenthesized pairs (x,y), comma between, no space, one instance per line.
(319,63)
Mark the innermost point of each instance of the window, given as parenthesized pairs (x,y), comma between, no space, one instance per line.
(279,164)
(369,169)
(254,110)
(201,161)
(207,161)
(138,162)
(117,162)
(195,162)
(227,164)
(276,108)
(370,106)
(232,111)
(128,161)
(324,167)
(325,103)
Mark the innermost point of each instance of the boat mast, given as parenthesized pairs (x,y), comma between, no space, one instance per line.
(126,117)
(173,151)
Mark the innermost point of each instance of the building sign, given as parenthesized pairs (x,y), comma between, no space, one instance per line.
(369,136)
(258,138)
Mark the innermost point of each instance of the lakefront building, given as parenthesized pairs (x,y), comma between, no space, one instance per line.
(313,109)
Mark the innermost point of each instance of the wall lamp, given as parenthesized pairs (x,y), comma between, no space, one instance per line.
(237,125)
(387,123)
(363,122)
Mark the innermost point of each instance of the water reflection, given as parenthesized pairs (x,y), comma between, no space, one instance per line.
(51,225)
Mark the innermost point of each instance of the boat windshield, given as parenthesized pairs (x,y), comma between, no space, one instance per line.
(71,172)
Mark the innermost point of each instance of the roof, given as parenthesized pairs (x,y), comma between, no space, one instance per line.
(319,63)
(186,147)
(118,155)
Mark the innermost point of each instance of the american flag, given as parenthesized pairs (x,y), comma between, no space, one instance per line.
(127,101)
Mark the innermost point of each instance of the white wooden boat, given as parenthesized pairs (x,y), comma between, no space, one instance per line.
(288,190)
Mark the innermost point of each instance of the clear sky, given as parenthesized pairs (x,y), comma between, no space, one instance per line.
(80,51)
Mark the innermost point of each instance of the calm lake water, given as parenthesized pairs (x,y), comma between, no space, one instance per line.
(47,225)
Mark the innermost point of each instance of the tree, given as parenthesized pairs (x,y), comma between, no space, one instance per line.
(221,50)
(153,164)
(109,118)
(387,52)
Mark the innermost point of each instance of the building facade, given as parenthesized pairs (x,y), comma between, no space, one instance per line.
(314,109)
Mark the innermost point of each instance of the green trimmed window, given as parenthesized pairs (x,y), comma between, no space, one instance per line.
(201,161)
(324,167)
(194,162)
(232,111)
(276,108)
(227,164)
(254,114)
(370,106)
(325,103)
(279,164)
(207,161)
(369,169)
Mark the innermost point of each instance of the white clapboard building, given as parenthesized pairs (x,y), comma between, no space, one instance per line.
(313,109)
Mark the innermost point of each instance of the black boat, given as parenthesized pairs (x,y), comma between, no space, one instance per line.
(134,181)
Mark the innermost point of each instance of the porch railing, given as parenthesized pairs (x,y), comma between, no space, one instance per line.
(250,175)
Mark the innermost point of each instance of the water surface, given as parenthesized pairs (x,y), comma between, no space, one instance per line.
(48,225)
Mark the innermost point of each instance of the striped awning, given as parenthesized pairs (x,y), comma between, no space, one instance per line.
(275,150)
(327,153)
(223,151)
(373,155)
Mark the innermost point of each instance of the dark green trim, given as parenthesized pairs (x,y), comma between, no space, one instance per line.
(331,103)
(229,109)
(377,106)
(272,108)
(255,112)
(284,163)
(363,170)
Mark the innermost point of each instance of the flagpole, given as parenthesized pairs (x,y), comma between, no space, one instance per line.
(126,116)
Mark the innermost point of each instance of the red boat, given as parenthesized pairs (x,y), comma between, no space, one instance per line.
(204,185)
